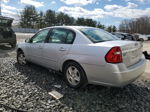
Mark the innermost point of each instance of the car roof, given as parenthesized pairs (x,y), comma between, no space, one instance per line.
(7,18)
(70,27)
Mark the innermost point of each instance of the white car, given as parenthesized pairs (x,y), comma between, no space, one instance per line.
(85,55)
(142,37)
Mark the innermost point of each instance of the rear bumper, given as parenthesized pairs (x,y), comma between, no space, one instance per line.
(114,75)
(10,40)
(131,74)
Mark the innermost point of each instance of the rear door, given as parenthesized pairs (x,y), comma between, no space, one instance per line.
(58,44)
(35,47)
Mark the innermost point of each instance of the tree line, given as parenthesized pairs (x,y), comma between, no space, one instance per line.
(140,25)
(31,18)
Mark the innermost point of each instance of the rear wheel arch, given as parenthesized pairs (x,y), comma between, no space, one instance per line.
(19,50)
(69,61)
(84,79)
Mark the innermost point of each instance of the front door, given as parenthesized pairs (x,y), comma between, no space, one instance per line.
(35,47)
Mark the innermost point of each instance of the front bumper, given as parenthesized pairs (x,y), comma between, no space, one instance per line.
(114,75)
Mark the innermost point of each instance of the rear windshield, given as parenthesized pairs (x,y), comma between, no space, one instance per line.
(5,22)
(97,35)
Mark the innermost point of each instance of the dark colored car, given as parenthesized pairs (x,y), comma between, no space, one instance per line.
(123,36)
(7,35)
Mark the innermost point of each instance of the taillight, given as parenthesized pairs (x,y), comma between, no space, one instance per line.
(114,55)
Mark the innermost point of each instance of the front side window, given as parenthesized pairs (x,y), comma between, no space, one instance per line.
(97,35)
(40,37)
(63,36)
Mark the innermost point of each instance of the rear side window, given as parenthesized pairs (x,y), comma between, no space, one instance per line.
(62,36)
(97,35)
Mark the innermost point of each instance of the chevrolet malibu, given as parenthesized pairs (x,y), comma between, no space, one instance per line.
(85,55)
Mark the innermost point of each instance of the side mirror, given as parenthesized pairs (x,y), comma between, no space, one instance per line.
(27,40)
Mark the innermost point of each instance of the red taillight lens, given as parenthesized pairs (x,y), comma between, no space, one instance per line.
(114,55)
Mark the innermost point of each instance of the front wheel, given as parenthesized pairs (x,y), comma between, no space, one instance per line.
(74,75)
(21,58)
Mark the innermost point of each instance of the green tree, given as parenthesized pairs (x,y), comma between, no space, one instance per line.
(99,25)
(41,20)
(50,18)
(109,28)
(64,19)
(29,17)
(68,20)
(90,22)
(80,21)
(86,22)
(114,29)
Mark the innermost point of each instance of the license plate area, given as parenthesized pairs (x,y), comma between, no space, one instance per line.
(135,54)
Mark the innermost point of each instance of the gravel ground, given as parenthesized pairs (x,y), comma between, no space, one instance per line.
(26,88)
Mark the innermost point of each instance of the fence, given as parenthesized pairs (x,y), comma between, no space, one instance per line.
(25,30)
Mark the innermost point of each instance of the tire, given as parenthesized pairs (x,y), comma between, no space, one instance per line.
(142,40)
(79,76)
(21,58)
(13,45)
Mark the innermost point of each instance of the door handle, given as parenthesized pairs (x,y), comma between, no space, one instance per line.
(62,49)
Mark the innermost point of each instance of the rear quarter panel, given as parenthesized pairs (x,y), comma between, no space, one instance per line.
(86,54)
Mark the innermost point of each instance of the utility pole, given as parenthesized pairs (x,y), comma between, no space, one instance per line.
(0,9)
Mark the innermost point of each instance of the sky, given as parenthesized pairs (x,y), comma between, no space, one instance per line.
(108,12)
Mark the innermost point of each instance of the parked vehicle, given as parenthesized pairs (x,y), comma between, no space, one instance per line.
(119,35)
(7,35)
(84,55)
(123,36)
(148,36)
(140,37)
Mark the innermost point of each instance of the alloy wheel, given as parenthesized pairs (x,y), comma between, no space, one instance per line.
(73,75)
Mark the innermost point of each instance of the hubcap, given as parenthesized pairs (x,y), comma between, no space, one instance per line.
(73,75)
(22,59)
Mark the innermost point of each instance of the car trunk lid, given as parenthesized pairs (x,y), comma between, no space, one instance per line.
(131,50)
(132,53)
(5,28)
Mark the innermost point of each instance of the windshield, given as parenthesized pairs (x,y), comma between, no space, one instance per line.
(98,35)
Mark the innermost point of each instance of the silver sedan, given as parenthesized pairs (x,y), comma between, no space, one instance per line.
(85,55)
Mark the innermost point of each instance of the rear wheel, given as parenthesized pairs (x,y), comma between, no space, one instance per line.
(74,75)
(21,58)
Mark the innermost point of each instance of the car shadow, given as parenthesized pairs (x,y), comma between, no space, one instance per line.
(134,97)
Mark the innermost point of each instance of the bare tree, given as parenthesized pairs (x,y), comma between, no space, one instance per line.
(139,25)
